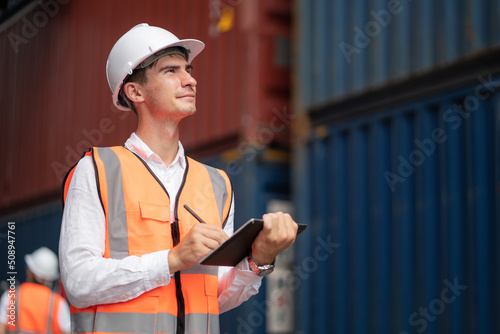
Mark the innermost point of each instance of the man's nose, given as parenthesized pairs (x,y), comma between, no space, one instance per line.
(189,80)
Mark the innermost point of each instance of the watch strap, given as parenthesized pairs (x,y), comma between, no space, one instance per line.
(260,270)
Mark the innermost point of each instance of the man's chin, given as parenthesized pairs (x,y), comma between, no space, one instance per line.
(187,113)
(191,112)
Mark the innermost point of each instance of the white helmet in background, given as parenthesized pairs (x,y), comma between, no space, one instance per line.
(139,43)
(43,263)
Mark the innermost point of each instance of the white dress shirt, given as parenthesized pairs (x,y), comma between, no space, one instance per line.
(90,279)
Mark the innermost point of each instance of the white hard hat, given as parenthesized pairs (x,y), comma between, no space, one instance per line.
(135,46)
(43,263)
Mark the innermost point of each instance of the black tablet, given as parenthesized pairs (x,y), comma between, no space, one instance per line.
(238,246)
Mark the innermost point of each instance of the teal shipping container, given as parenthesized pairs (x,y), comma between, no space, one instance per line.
(396,166)
(346,47)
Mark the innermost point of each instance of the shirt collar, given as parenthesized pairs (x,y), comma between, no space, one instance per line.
(136,145)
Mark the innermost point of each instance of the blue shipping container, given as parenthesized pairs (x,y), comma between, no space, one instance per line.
(347,47)
(404,213)
(24,232)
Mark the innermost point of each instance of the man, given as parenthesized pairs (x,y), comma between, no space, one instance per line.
(130,240)
(37,308)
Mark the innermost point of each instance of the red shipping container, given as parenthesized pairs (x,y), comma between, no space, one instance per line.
(56,101)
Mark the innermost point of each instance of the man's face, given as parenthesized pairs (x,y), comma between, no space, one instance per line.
(170,89)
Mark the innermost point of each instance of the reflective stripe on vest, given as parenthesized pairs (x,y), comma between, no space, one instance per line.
(220,190)
(143,323)
(49,320)
(137,211)
(118,236)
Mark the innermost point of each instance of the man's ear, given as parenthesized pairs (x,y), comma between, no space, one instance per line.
(133,92)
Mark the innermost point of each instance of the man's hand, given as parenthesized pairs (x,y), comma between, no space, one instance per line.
(278,233)
(198,242)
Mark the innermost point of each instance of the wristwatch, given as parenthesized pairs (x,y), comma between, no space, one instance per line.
(260,270)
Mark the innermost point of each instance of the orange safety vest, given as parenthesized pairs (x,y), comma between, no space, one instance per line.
(137,211)
(36,310)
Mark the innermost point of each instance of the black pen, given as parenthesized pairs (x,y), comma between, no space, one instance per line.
(194,214)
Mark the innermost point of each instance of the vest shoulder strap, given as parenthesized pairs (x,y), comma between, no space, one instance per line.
(220,181)
(222,186)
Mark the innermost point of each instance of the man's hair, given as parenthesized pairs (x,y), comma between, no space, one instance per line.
(140,76)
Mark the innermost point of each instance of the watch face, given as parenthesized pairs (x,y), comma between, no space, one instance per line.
(265,272)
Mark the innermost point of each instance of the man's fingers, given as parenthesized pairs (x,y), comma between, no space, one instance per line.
(210,243)
(291,225)
(279,227)
(210,231)
(197,243)
(274,237)
(207,236)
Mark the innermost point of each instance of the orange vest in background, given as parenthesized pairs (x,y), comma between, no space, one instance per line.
(137,211)
(37,310)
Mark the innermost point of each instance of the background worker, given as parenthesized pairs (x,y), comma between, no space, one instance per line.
(129,246)
(38,308)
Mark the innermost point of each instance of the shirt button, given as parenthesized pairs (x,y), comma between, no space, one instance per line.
(169,180)
(158,282)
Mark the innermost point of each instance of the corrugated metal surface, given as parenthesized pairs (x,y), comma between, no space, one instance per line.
(34,228)
(347,47)
(56,101)
(257,176)
(243,79)
(403,207)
